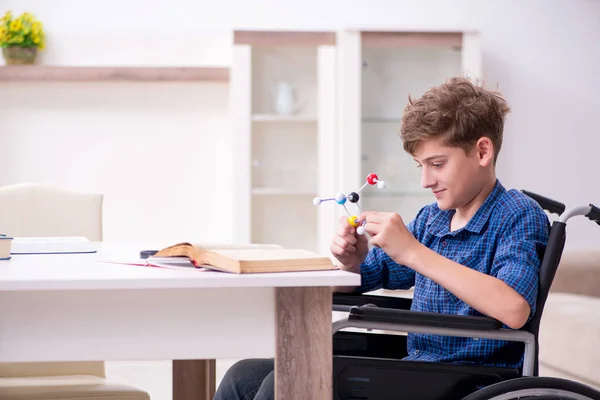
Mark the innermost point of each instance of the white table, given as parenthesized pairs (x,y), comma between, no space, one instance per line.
(73,308)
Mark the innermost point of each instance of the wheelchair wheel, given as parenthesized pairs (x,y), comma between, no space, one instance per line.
(536,388)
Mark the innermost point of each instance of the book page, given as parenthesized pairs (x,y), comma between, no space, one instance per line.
(232,246)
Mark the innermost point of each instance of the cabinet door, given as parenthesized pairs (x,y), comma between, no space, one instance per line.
(378,73)
(283,112)
(471,53)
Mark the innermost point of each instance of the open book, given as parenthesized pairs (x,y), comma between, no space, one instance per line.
(247,259)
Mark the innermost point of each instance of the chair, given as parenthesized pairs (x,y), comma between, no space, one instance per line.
(28,210)
(369,366)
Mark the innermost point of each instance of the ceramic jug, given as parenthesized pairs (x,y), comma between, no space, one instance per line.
(285,101)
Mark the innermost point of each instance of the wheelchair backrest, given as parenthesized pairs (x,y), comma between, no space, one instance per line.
(550,257)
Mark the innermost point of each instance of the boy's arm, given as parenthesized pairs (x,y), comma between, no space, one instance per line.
(508,294)
(380,271)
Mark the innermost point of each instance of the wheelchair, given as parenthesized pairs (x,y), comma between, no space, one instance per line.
(369,365)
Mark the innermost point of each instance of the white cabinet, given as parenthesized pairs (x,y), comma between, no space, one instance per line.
(283,114)
(378,71)
(314,113)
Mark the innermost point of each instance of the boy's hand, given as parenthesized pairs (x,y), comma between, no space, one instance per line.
(388,231)
(348,247)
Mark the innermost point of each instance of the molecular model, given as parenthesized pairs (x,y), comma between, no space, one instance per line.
(353,197)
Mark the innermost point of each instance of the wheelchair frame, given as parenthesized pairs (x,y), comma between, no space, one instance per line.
(365,313)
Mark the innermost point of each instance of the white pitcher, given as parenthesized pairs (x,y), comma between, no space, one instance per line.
(285,101)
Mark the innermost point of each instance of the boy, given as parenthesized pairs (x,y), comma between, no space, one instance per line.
(475,251)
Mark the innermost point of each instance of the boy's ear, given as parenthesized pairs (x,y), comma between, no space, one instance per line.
(484,149)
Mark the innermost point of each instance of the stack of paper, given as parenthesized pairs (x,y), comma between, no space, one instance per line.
(52,245)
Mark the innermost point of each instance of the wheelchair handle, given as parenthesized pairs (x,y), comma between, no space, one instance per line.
(594,214)
(553,206)
(591,212)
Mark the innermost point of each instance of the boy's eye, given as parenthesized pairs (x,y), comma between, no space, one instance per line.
(437,165)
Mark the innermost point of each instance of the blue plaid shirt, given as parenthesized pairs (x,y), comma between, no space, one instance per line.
(503,239)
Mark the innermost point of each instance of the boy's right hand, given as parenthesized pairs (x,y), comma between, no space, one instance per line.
(348,247)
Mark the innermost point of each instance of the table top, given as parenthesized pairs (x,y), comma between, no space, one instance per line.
(91,272)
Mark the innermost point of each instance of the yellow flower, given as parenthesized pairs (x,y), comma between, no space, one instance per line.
(15,25)
(25,30)
(7,16)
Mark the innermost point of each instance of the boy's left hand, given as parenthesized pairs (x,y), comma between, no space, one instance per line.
(388,231)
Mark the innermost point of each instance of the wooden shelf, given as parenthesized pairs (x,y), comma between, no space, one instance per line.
(283,118)
(274,38)
(412,39)
(48,73)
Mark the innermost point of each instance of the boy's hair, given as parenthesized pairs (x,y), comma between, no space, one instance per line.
(458,112)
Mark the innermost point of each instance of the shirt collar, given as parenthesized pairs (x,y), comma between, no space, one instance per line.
(439,222)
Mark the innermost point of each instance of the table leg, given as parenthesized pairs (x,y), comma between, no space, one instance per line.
(303,363)
(194,379)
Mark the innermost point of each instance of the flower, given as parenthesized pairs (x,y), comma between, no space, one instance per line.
(24,30)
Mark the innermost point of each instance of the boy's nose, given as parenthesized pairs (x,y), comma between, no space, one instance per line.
(427,179)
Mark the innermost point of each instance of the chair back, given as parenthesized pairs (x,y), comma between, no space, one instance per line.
(550,257)
(30,209)
(550,262)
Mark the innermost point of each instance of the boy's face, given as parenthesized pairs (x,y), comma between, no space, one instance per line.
(455,178)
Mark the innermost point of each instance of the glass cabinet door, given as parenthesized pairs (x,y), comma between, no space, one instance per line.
(383,69)
(282,102)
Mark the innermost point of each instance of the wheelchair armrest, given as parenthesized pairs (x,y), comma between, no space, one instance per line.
(424,319)
(345,301)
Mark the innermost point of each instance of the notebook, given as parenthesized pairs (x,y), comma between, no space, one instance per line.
(52,245)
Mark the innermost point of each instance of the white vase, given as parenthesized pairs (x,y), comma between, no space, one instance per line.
(285,102)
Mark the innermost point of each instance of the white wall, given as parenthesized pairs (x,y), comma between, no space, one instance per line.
(148,148)
(159,152)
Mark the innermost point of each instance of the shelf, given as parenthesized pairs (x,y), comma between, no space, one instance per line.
(48,73)
(408,193)
(284,118)
(286,38)
(281,192)
(375,120)
(411,39)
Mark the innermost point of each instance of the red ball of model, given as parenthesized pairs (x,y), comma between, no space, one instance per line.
(372,179)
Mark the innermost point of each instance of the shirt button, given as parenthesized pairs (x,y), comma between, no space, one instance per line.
(444,243)
(416,352)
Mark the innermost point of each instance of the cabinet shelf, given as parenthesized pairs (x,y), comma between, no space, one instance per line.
(266,191)
(49,73)
(400,193)
(284,118)
(377,120)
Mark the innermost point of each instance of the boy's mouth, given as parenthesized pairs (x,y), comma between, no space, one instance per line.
(438,193)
